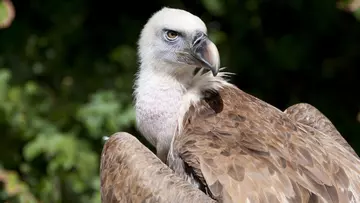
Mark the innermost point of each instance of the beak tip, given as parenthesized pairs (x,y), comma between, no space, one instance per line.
(214,72)
(214,58)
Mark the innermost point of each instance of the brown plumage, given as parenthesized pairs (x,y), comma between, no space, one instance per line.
(245,150)
(131,173)
(309,115)
(120,170)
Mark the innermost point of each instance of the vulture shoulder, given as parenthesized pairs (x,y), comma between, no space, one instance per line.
(245,150)
(308,115)
(131,173)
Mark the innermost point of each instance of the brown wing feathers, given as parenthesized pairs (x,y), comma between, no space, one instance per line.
(131,173)
(310,116)
(245,149)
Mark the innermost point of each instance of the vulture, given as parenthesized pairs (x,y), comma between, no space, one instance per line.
(216,138)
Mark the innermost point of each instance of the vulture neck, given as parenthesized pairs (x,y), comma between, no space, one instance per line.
(163,98)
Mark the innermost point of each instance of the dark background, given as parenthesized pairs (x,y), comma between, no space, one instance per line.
(67,70)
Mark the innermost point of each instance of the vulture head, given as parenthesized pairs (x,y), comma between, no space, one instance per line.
(175,41)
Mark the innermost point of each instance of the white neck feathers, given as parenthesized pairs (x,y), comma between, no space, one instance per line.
(162,99)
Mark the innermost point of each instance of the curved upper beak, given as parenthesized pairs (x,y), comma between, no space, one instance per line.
(205,51)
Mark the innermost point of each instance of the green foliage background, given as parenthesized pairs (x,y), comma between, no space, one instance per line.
(67,69)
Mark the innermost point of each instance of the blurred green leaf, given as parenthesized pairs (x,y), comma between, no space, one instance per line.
(15,189)
(217,37)
(215,7)
(105,113)
(357,14)
(124,55)
(4,79)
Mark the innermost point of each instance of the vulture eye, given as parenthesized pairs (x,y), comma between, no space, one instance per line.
(171,35)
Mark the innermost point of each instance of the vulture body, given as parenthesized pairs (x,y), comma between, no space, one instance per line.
(249,151)
(132,173)
(231,145)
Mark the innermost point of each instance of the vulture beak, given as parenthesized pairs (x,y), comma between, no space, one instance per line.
(205,51)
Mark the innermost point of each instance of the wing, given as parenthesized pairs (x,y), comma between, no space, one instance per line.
(132,173)
(245,150)
(307,114)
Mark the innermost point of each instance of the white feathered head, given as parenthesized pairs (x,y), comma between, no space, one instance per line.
(174,41)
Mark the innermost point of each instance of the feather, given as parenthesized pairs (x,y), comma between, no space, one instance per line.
(132,173)
(245,150)
(308,115)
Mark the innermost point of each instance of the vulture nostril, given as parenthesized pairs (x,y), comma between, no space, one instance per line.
(197,39)
(196,42)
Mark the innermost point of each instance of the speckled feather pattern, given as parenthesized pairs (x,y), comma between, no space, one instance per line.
(131,173)
(128,178)
(245,150)
(307,114)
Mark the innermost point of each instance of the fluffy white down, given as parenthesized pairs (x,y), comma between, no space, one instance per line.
(161,101)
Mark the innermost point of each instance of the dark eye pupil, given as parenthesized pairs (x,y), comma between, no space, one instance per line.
(172,34)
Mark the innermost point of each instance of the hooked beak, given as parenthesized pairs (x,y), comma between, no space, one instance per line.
(205,51)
